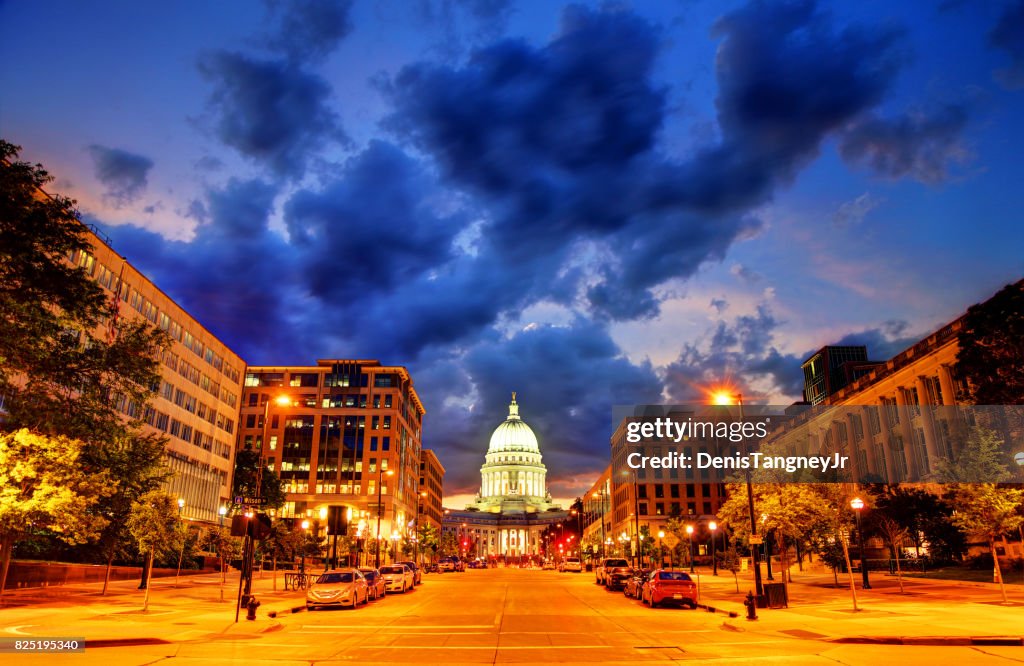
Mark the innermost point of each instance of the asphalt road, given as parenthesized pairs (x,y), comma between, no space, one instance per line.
(508,616)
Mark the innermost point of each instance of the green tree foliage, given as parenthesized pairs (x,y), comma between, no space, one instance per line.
(247,463)
(988,510)
(991,349)
(980,460)
(63,357)
(427,535)
(925,515)
(44,483)
(139,463)
(157,529)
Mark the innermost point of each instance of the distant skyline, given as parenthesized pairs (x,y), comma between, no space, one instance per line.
(589,204)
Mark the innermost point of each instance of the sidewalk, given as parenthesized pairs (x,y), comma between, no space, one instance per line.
(191,610)
(930,612)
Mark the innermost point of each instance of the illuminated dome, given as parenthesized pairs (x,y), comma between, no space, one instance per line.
(513,435)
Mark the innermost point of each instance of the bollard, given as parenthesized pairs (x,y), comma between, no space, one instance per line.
(751,605)
(250,608)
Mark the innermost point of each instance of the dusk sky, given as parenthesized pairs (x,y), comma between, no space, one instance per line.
(589,204)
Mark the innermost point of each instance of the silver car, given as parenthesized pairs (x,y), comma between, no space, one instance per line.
(338,587)
(398,577)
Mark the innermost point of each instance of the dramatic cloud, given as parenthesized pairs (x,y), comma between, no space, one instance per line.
(124,174)
(1008,35)
(270,111)
(922,146)
(882,342)
(851,213)
(309,30)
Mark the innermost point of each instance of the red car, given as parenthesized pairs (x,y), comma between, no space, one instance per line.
(664,586)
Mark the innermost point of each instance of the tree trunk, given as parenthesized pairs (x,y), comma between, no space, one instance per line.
(7,545)
(899,572)
(275,572)
(148,574)
(106,575)
(849,571)
(998,572)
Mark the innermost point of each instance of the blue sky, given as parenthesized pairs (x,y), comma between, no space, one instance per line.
(589,204)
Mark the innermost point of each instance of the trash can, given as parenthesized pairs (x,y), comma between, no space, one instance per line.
(776,595)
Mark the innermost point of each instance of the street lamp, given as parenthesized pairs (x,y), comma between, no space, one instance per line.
(181,505)
(323,520)
(727,398)
(380,508)
(661,553)
(858,504)
(689,544)
(714,560)
(305,533)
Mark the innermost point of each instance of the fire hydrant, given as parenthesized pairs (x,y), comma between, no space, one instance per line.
(250,608)
(751,605)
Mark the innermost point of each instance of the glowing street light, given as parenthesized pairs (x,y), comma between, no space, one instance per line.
(689,541)
(714,560)
(857,504)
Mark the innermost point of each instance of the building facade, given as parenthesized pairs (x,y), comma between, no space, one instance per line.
(197,402)
(431,508)
(513,507)
(345,433)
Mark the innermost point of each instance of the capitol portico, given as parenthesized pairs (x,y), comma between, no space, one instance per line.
(513,507)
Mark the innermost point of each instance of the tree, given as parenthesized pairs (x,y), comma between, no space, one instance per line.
(44,485)
(139,464)
(896,535)
(980,460)
(427,535)
(64,355)
(991,349)
(925,516)
(988,510)
(247,463)
(228,548)
(156,528)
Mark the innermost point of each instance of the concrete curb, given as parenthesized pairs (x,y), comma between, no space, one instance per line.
(713,609)
(123,642)
(930,640)
(287,611)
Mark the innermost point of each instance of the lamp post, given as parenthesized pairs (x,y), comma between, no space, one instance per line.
(858,504)
(222,511)
(604,541)
(305,534)
(181,506)
(689,544)
(380,509)
(725,398)
(323,519)
(714,560)
(416,532)
(661,553)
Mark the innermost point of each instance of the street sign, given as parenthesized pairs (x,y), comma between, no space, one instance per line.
(670,540)
(756,539)
(256,501)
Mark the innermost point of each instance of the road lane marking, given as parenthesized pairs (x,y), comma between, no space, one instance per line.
(17,629)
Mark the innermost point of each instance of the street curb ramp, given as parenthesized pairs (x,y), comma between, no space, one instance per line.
(931,640)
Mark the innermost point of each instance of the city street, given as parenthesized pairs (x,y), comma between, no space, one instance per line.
(511,616)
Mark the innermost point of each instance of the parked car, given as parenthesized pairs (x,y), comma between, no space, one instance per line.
(572,564)
(674,587)
(398,578)
(607,567)
(338,587)
(417,572)
(375,582)
(432,568)
(548,566)
(634,585)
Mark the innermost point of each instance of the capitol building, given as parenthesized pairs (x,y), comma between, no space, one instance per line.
(513,506)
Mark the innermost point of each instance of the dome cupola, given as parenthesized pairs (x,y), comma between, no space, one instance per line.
(513,435)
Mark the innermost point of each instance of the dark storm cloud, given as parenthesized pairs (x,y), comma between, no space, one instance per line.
(270,111)
(787,78)
(309,30)
(124,174)
(1008,35)
(882,342)
(374,227)
(918,145)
